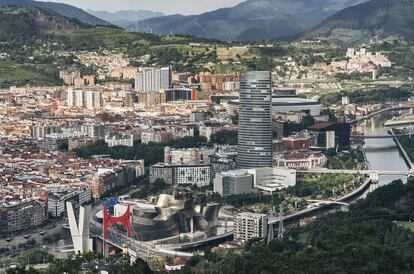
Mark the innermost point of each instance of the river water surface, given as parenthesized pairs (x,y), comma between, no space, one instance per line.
(385,155)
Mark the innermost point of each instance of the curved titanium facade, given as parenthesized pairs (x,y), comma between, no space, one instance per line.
(255,120)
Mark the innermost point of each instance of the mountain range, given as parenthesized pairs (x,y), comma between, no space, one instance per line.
(345,21)
(62,9)
(383,18)
(125,18)
(250,20)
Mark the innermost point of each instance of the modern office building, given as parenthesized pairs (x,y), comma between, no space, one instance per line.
(323,134)
(269,180)
(153,79)
(250,225)
(234,182)
(255,120)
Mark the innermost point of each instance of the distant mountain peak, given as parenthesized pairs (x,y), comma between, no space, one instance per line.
(124,18)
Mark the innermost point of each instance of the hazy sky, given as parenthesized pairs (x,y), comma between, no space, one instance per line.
(165,6)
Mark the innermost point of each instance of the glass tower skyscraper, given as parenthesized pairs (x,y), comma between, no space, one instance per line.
(255,120)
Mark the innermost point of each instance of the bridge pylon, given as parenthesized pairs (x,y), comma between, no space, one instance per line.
(280,230)
(79,229)
(270,229)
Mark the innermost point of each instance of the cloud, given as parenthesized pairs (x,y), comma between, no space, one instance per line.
(165,6)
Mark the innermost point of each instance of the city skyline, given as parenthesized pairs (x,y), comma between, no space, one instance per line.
(195,143)
(185,7)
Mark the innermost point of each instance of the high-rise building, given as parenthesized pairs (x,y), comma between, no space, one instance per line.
(165,78)
(71,98)
(153,79)
(255,120)
(93,99)
(84,99)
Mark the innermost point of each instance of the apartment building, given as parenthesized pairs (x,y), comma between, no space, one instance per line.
(250,225)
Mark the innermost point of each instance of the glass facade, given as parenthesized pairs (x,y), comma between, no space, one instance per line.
(255,120)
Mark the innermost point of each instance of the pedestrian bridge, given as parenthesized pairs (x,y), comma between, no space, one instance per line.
(360,172)
(327,202)
(378,112)
(379,136)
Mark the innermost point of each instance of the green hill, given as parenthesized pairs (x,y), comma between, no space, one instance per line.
(36,43)
(23,22)
(60,8)
(383,18)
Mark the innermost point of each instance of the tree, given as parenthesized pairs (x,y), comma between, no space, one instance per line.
(225,137)
(138,267)
(159,185)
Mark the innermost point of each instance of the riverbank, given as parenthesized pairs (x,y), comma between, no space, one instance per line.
(401,148)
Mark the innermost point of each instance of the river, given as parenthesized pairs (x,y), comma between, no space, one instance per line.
(390,158)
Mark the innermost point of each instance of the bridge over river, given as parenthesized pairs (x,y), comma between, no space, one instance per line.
(361,172)
(378,112)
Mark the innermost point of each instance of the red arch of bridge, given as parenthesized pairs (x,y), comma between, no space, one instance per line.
(109,220)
